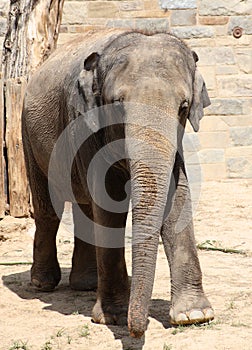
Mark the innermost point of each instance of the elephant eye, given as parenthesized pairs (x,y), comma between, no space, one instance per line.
(118,100)
(184,106)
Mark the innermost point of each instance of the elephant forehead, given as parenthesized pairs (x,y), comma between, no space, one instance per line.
(158,57)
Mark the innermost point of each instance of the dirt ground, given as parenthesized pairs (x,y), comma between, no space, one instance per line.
(62,319)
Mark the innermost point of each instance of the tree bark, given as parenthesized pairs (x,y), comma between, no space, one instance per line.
(32,33)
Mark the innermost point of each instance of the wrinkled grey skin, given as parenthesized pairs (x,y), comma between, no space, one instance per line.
(122,67)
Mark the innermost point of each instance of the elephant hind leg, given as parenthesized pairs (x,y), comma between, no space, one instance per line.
(45,271)
(83,275)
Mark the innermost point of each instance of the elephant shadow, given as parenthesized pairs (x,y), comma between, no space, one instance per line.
(69,302)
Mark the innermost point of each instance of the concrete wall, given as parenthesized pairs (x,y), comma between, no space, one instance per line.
(224,142)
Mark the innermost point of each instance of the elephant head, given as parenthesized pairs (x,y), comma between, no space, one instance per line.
(157,86)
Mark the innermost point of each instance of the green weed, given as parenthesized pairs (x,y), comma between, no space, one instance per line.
(60,333)
(19,345)
(205,326)
(231,305)
(179,329)
(84,331)
(47,346)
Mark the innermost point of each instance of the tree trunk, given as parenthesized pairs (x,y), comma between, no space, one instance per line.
(32,33)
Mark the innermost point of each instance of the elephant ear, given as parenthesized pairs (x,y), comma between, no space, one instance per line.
(89,89)
(199,102)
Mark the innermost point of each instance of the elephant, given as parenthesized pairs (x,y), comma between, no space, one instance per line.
(124,97)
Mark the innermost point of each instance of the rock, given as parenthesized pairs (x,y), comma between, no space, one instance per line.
(183,18)
(152,25)
(178,4)
(224,7)
(239,167)
(194,32)
(233,85)
(244,59)
(228,106)
(241,136)
(245,22)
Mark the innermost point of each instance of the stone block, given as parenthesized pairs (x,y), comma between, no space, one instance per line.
(151,5)
(102,9)
(244,22)
(239,152)
(191,142)
(200,42)
(213,123)
(211,156)
(206,56)
(121,23)
(241,136)
(225,107)
(208,74)
(244,59)
(74,12)
(230,41)
(239,167)
(220,30)
(218,139)
(191,157)
(240,120)
(224,7)
(130,5)
(224,55)
(209,56)
(226,70)
(194,174)
(178,4)
(194,32)
(212,94)
(213,20)
(183,18)
(152,25)
(213,172)
(233,85)
(143,14)
(64,38)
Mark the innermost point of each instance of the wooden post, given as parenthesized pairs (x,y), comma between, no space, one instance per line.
(2,167)
(32,33)
(18,186)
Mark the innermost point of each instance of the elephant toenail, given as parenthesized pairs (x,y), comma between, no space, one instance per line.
(196,315)
(209,314)
(181,318)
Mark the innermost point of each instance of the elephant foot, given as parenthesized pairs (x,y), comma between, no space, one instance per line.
(45,280)
(86,280)
(197,311)
(110,314)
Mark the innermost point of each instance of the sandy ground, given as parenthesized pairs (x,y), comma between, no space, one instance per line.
(62,319)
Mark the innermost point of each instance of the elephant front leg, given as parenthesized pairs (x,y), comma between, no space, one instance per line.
(84,268)
(189,304)
(113,286)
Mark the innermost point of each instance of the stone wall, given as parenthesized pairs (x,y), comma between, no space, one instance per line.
(224,142)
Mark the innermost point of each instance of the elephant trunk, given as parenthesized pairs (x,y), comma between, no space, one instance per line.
(152,156)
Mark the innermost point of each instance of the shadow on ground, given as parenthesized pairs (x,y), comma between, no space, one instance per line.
(69,302)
